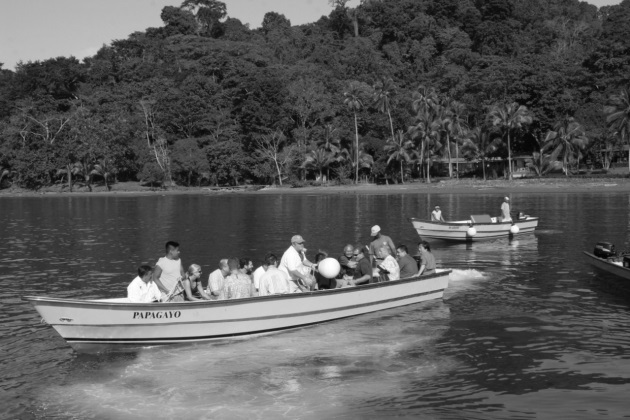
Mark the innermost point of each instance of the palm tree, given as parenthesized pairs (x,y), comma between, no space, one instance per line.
(398,148)
(318,159)
(567,138)
(354,104)
(426,133)
(105,169)
(458,111)
(330,144)
(618,116)
(479,144)
(384,91)
(508,117)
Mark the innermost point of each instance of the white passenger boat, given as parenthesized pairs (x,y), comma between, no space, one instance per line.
(605,258)
(118,325)
(478,227)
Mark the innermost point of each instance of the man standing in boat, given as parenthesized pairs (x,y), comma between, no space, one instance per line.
(381,245)
(168,271)
(436,215)
(505,210)
(295,264)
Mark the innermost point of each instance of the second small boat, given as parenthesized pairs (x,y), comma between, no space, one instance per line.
(478,227)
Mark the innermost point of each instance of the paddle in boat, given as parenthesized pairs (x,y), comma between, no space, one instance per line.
(480,226)
(118,325)
(606,258)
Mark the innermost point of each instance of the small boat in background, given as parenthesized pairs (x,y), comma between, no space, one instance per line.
(117,324)
(606,258)
(480,226)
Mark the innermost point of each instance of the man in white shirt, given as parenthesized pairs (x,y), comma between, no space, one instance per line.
(295,264)
(259,272)
(216,280)
(274,281)
(505,210)
(142,289)
(436,215)
(168,271)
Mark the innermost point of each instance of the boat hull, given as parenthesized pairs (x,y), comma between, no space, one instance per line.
(94,326)
(607,266)
(458,230)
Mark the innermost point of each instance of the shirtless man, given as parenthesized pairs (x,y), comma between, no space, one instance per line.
(168,270)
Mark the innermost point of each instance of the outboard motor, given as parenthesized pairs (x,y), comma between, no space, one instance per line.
(604,250)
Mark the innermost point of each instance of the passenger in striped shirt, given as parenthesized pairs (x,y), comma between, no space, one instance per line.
(275,281)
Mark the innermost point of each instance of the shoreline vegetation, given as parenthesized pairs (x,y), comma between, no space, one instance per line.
(462,186)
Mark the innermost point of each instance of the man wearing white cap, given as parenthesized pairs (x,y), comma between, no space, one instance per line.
(295,264)
(505,210)
(381,244)
(436,215)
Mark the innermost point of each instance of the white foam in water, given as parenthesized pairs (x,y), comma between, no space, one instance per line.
(458,275)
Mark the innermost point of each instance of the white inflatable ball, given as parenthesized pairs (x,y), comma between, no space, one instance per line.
(514,229)
(471,231)
(329,268)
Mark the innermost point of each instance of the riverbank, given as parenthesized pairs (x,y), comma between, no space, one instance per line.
(464,186)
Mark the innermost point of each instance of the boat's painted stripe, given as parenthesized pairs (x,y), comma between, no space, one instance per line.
(320,293)
(478,236)
(295,314)
(166,340)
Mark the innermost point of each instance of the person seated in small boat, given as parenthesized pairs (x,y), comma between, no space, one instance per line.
(297,266)
(363,272)
(347,262)
(237,285)
(388,268)
(247,266)
(408,266)
(436,215)
(142,289)
(323,282)
(427,260)
(257,274)
(167,272)
(275,281)
(216,281)
(193,289)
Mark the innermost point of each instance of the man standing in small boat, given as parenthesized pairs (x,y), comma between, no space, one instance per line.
(381,245)
(505,210)
(295,264)
(436,215)
(168,271)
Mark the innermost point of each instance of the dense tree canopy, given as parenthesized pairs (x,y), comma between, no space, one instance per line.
(383,90)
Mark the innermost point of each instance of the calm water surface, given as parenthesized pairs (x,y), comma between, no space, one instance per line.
(526,330)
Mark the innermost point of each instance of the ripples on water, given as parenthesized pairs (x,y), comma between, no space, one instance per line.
(526,329)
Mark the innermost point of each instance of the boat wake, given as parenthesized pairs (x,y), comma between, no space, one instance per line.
(460,275)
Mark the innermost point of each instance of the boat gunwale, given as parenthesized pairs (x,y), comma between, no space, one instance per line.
(226,302)
(470,222)
(606,262)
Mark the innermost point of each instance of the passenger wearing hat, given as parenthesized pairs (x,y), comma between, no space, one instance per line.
(378,242)
(505,210)
(436,215)
(295,264)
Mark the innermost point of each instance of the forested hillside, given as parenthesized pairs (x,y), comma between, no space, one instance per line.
(380,91)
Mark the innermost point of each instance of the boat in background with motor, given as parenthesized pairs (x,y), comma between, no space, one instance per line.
(606,258)
(478,227)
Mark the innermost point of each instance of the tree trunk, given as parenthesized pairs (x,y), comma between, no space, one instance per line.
(509,157)
(106,184)
(450,162)
(457,159)
(483,162)
(402,175)
(279,173)
(69,177)
(356,131)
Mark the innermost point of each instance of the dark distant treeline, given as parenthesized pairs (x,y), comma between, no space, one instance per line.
(380,91)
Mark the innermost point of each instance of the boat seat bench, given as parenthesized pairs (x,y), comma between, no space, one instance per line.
(480,218)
